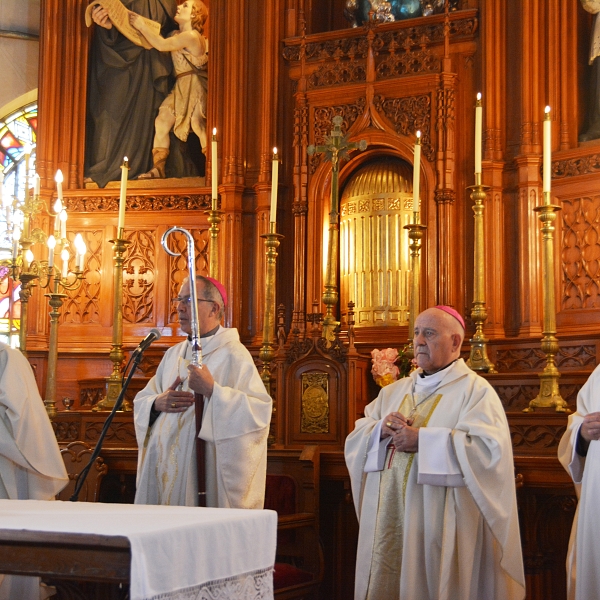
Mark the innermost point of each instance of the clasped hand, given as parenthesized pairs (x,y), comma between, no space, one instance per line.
(590,428)
(174,400)
(404,437)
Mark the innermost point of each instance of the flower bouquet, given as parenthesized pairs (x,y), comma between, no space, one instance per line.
(389,365)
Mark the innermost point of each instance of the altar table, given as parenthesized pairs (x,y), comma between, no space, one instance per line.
(170,552)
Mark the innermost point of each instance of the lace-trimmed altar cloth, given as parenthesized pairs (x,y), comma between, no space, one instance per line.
(177,552)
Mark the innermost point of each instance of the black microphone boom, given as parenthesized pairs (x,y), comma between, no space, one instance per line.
(151,337)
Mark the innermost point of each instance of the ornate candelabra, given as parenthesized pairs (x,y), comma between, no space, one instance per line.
(336,148)
(549,395)
(214,218)
(21,266)
(416,231)
(267,351)
(56,302)
(114,380)
(478,358)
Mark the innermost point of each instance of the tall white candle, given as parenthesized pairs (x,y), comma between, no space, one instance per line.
(51,245)
(65,264)
(59,179)
(28,258)
(80,249)
(16,238)
(57,210)
(214,177)
(36,185)
(63,224)
(123,197)
(478,133)
(82,256)
(274,185)
(417,174)
(547,166)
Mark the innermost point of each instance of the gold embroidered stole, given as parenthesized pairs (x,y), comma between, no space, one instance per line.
(386,561)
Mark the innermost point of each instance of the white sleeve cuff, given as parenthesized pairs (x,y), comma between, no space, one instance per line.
(438,464)
(377,450)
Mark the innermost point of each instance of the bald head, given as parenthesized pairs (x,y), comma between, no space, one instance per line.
(437,339)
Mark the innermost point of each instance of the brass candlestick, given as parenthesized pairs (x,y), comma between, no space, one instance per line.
(549,395)
(478,358)
(56,302)
(416,231)
(20,268)
(336,148)
(114,381)
(214,218)
(267,352)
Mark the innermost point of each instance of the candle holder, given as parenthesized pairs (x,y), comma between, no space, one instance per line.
(114,381)
(20,269)
(549,395)
(336,149)
(267,350)
(56,302)
(416,231)
(214,218)
(478,359)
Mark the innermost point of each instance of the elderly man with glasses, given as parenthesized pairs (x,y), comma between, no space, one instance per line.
(235,422)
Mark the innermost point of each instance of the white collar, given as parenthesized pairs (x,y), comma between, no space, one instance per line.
(432,381)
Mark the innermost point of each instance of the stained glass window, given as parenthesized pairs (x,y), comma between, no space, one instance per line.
(18,132)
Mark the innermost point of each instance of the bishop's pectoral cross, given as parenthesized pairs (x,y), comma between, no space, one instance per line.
(336,148)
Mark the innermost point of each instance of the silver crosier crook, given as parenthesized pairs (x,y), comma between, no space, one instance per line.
(196,345)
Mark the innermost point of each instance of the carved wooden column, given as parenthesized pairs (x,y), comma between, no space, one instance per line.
(445,192)
(300,203)
(263,130)
(532,98)
(62,92)
(234,97)
(493,50)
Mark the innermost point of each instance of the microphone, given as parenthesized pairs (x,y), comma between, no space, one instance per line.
(151,337)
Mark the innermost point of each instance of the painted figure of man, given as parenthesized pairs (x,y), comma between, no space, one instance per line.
(433,483)
(236,418)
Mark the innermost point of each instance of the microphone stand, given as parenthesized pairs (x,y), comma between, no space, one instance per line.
(136,359)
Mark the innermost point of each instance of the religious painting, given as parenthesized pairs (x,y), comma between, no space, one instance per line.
(147,91)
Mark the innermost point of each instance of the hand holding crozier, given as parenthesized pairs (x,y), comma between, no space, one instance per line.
(119,17)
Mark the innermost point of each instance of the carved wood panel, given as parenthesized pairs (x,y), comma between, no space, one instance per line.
(533,359)
(138,203)
(580,256)
(138,276)
(82,305)
(408,114)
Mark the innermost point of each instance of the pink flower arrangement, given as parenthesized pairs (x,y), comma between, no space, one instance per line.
(384,368)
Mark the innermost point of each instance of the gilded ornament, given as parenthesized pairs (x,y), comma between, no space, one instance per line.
(315,403)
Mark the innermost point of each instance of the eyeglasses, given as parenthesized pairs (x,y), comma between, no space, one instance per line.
(187,300)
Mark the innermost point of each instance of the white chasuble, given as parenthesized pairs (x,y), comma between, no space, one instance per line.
(31,466)
(235,428)
(583,559)
(457,533)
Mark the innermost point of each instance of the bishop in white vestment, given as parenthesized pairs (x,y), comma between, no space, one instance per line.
(433,482)
(237,414)
(579,453)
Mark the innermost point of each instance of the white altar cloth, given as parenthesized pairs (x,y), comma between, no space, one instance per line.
(176,551)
